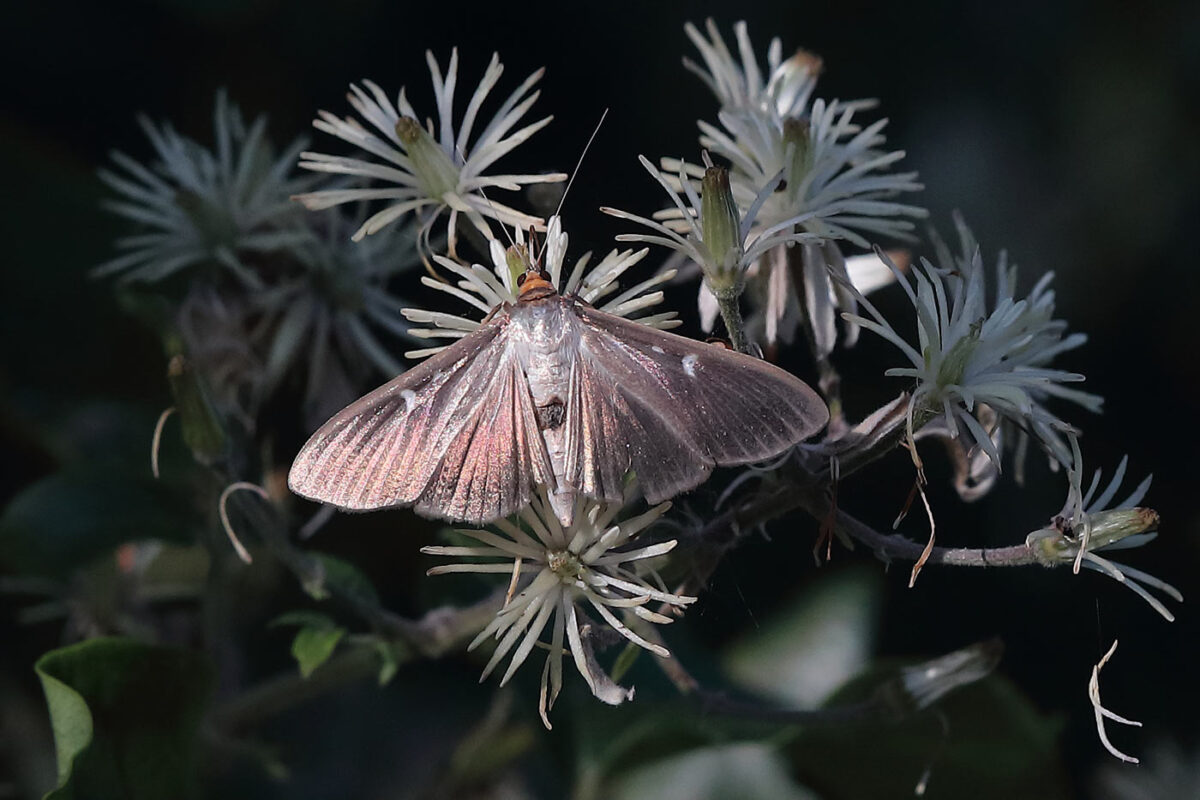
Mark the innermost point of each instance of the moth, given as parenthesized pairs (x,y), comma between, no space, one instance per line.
(551,391)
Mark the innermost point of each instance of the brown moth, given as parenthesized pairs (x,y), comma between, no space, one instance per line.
(549,390)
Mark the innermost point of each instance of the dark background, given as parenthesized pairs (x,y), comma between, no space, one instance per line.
(1064,132)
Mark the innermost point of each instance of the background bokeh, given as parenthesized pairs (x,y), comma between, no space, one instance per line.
(1065,133)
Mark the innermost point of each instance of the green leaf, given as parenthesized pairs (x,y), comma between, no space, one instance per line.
(312,647)
(316,640)
(125,717)
(69,519)
(389,663)
(304,619)
(343,575)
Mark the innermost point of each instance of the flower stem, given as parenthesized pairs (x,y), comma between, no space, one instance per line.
(731,314)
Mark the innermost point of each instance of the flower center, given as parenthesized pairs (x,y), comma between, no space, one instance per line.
(565,564)
(434,170)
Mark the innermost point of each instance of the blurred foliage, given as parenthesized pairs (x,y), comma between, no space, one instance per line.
(983,741)
(126,717)
(65,521)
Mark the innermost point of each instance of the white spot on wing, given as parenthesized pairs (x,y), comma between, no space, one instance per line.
(689,365)
(410,399)
(658,350)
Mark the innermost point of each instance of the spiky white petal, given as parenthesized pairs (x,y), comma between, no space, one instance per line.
(485,288)
(198,205)
(565,570)
(453,178)
(968,353)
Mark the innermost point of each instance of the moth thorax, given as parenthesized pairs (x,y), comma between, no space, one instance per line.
(565,564)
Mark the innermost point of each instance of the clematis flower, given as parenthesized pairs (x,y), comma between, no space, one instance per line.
(970,355)
(485,288)
(835,178)
(560,576)
(199,207)
(1089,524)
(430,170)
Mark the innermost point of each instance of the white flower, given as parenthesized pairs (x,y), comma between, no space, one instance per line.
(487,288)
(830,165)
(784,91)
(432,170)
(330,314)
(1088,524)
(719,236)
(199,206)
(968,354)
(832,171)
(563,575)
(834,177)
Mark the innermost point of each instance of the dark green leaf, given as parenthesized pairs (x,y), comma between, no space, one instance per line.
(304,619)
(994,745)
(344,576)
(68,519)
(125,717)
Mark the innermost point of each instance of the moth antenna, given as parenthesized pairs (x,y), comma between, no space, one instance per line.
(483,194)
(157,440)
(223,510)
(531,241)
(575,171)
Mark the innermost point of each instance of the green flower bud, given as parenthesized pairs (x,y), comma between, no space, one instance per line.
(517,258)
(797,135)
(1054,546)
(436,173)
(721,227)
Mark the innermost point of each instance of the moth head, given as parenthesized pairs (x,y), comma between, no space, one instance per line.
(534,284)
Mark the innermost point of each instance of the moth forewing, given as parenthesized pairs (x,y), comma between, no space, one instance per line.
(408,442)
(550,391)
(681,407)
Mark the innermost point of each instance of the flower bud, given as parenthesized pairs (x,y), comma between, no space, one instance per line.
(1060,544)
(721,227)
(797,137)
(203,429)
(517,258)
(436,173)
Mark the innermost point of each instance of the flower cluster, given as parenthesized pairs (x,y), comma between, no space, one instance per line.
(796,163)
(431,170)
(270,294)
(277,299)
(559,575)
(970,354)
(203,208)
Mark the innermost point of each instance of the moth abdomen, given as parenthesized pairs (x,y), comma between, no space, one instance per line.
(551,415)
